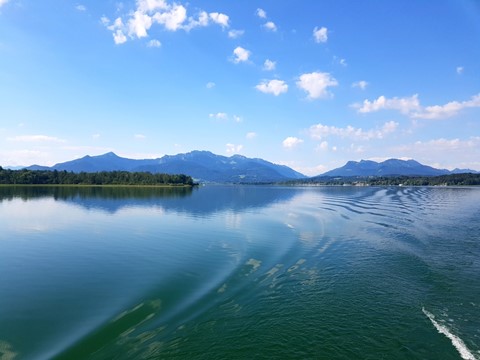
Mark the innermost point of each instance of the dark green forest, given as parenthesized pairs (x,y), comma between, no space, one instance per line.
(48,177)
(443,180)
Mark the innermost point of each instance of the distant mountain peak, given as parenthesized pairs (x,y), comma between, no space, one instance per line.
(201,165)
(390,167)
(110,154)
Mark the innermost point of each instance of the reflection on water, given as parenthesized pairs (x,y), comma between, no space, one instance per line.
(239,272)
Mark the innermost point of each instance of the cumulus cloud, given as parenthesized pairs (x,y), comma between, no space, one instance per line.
(219,116)
(448,110)
(139,137)
(404,105)
(411,106)
(240,55)
(444,153)
(320,131)
(220,19)
(234,34)
(154,43)
(320,34)
(316,84)
(172,16)
(210,85)
(269,65)
(117,29)
(119,37)
(275,87)
(291,142)
(151,5)
(78,7)
(251,135)
(270,25)
(36,138)
(362,84)
(460,70)
(261,13)
(233,149)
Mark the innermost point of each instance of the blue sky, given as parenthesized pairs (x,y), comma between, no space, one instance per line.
(309,84)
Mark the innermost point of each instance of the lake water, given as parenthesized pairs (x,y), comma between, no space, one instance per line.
(225,272)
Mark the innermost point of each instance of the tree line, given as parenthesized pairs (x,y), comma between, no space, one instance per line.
(466,179)
(55,177)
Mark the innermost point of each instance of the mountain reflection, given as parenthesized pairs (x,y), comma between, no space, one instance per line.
(195,201)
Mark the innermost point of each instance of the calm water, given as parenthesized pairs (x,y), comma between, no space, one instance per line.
(240,273)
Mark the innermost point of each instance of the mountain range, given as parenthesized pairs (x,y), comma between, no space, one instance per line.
(201,165)
(391,167)
(208,167)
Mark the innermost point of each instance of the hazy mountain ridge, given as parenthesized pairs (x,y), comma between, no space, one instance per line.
(390,167)
(201,165)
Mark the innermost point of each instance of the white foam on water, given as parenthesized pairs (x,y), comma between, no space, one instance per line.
(465,353)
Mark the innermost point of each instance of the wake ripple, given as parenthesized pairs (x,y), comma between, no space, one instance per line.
(463,350)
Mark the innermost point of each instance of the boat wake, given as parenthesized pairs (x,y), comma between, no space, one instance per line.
(463,350)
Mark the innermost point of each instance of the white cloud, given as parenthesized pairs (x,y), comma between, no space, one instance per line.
(104,20)
(119,37)
(3,2)
(78,7)
(291,142)
(139,136)
(275,87)
(210,85)
(139,24)
(404,105)
(117,29)
(240,55)
(251,135)
(270,25)
(411,106)
(234,34)
(261,13)
(219,116)
(220,19)
(36,138)
(320,35)
(316,84)
(362,84)
(201,21)
(151,5)
(343,62)
(448,110)
(320,131)
(237,118)
(233,149)
(444,153)
(96,136)
(154,43)
(172,17)
(460,70)
(269,65)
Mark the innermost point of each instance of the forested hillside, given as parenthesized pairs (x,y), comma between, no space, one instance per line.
(47,177)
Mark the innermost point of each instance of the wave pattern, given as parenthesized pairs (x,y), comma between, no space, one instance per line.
(334,273)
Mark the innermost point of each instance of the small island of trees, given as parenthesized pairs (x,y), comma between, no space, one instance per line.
(48,177)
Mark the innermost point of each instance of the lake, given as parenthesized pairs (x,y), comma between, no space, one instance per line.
(239,272)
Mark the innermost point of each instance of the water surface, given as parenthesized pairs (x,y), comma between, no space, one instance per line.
(239,273)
